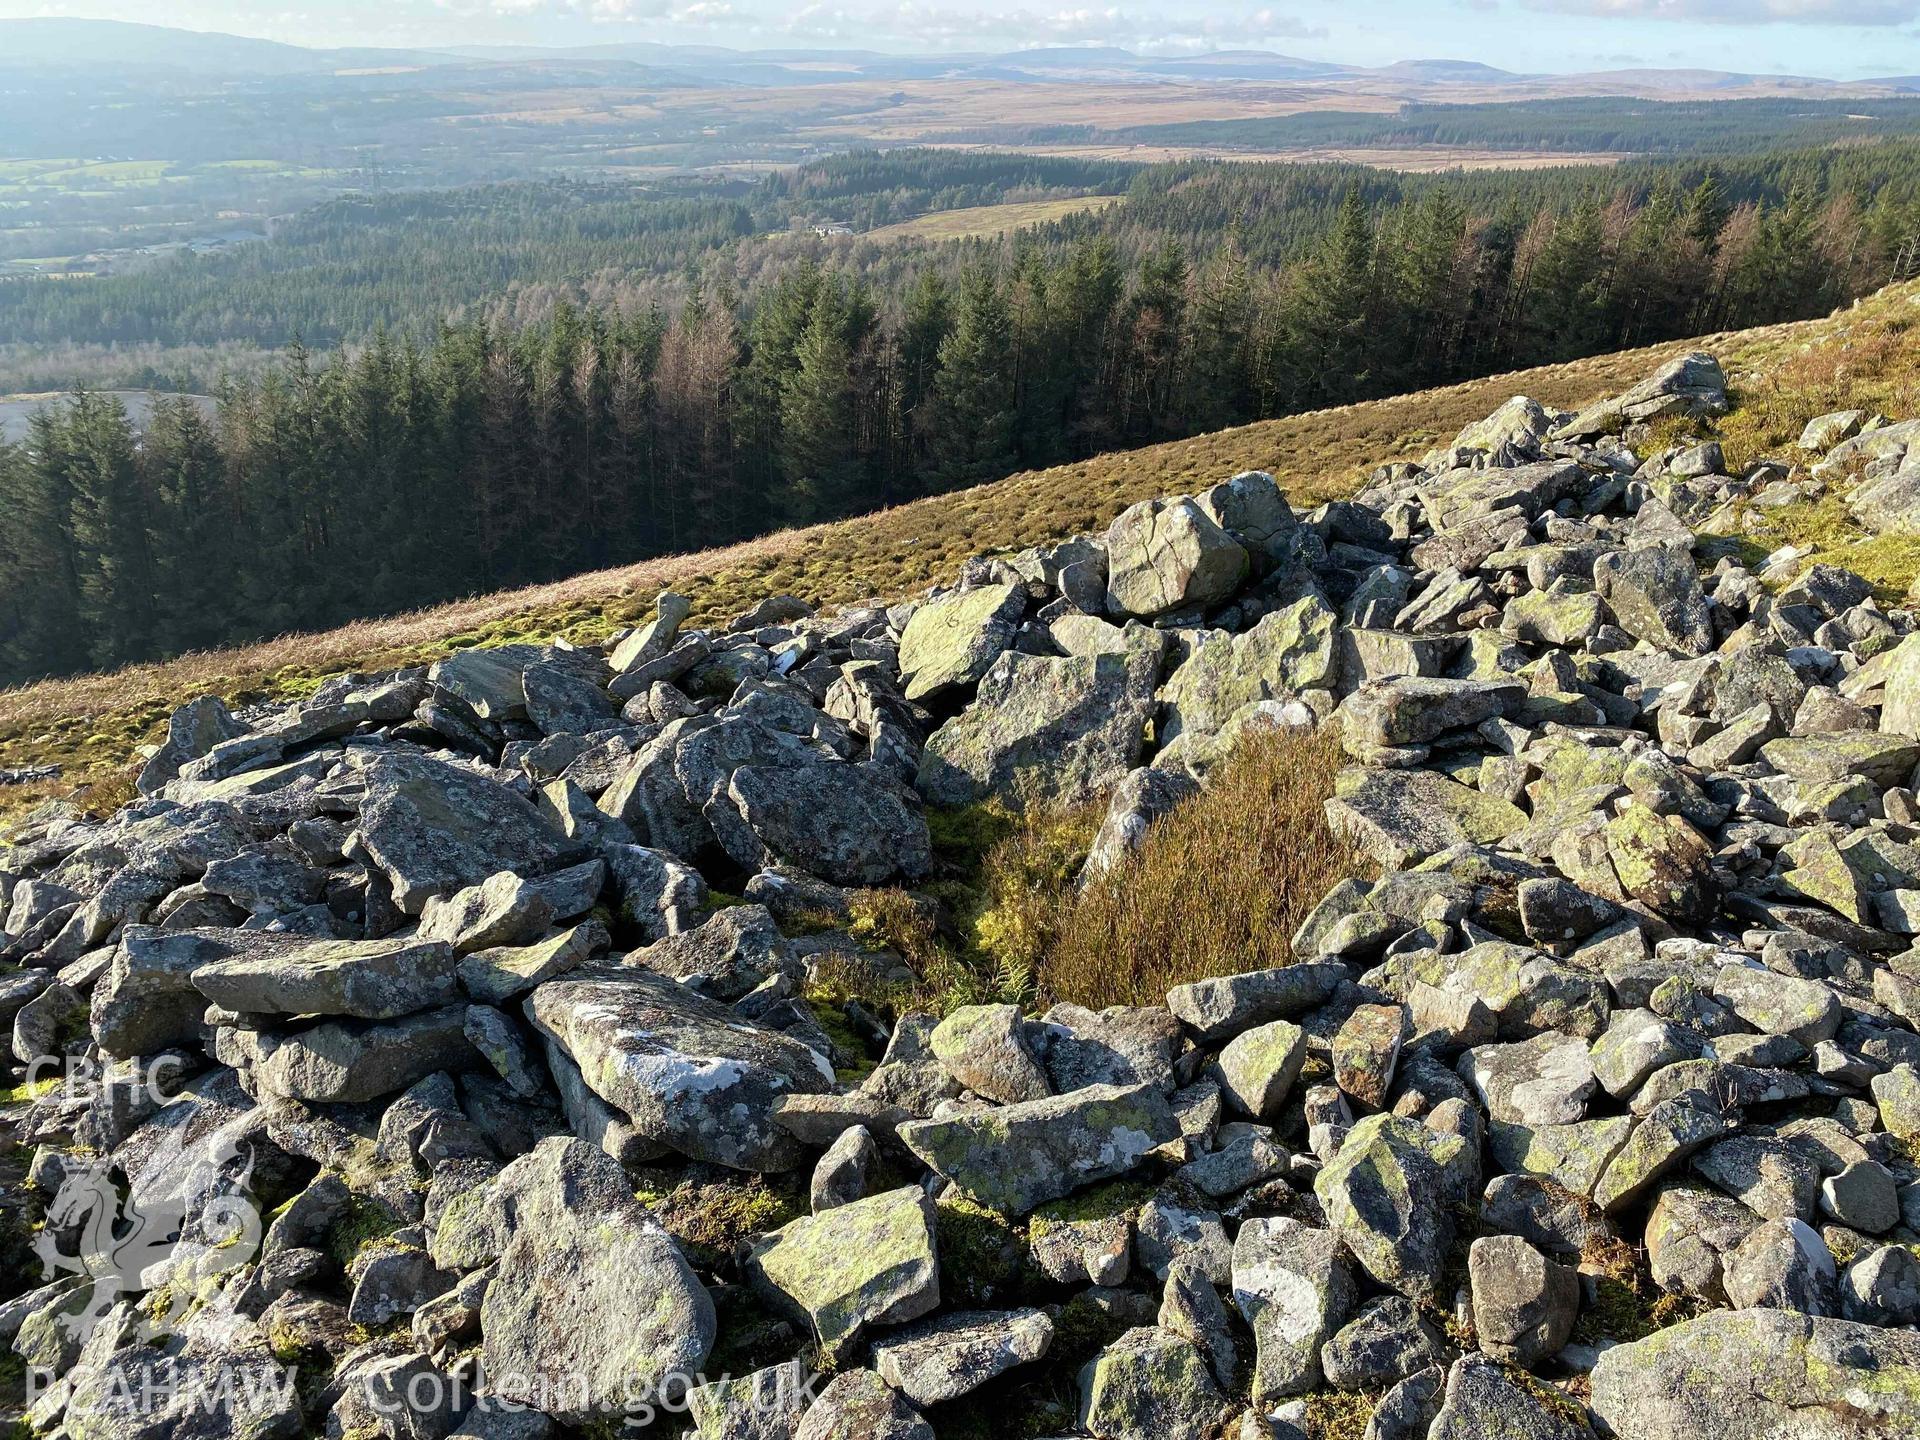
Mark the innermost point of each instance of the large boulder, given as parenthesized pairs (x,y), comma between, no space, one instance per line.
(1761,1375)
(345,1062)
(435,828)
(1046,729)
(1655,595)
(1692,384)
(1150,1384)
(1169,555)
(1290,650)
(690,1073)
(950,642)
(592,1307)
(1252,510)
(847,824)
(1403,816)
(1388,1193)
(1292,1285)
(1411,710)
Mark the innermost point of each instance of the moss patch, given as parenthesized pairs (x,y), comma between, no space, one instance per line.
(711,1220)
(983,1254)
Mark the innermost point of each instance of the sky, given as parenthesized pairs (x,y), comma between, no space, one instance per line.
(1842,39)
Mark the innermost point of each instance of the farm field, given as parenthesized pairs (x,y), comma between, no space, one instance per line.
(976,221)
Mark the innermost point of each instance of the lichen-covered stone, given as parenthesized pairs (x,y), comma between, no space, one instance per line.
(1292,1286)
(593,1305)
(1016,1157)
(1388,1194)
(690,1074)
(1150,1384)
(1761,1375)
(950,641)
(872,1262)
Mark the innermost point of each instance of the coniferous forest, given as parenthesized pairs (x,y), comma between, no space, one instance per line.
(732,384)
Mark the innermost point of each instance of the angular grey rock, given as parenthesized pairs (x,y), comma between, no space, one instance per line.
(951,640)
(1045,729)
(1404,816)
(1191,1308)
(1414,710)
(1524,1304)
(1779,1004)
(1257,1068)
(192,730)
(592,1297)
(1655,596)
(1290,650)
(1017,1157)
(653,892)
(1121,1045)
(1387,1342)
(1292,1285)
(1387,1193)
(503,909)
(726,956)
(942,1359)
(1543,1081)
(1761,1373)
(347,1062)
(848,824)
(435,828)
(689,1073)
(859,1405)
(1150,1384)
(259,972)
(1167,555)
(1222,1006)
(1252,510)
(1482,1402)
(840,1177)
(984,1048)
(765,1405)
(1882,1287)
(494,977)
(868,1263)
(1782,1265)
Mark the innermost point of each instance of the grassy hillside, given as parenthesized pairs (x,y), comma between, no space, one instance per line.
(1867,356)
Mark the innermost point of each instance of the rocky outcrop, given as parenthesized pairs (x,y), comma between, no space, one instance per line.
(522,1020)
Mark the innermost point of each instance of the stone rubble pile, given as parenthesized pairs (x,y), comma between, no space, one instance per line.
(432,958)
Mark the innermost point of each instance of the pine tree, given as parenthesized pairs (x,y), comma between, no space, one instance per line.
(816,414)
(111,532)
(1330,304)
(973,394)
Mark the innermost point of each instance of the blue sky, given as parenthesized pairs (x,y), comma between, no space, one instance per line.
(1839,38)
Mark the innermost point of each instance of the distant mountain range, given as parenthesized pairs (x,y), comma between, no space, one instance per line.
(113,45)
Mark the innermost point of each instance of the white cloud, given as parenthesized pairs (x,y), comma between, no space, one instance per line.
(606,11)
(942,26)
(1743,12)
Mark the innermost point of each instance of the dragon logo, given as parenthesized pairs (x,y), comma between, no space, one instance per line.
(168,1238)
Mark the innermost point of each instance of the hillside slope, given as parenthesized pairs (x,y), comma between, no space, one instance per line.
(90,726)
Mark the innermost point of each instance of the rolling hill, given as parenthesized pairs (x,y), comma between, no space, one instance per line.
(1866,356)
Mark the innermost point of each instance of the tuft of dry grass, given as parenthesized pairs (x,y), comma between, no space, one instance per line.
(1219,886)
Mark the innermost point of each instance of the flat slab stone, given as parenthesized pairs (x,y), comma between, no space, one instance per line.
(1014,1157)
(261,972)
(1402,816)
(956,1354)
